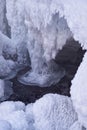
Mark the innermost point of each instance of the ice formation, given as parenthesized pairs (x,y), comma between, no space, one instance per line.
(79,96)
(1,88)
(51,112)
(3,16)
(13,113)
(20,16)
(54,112)
(4,125)
(13,57)
(45,26)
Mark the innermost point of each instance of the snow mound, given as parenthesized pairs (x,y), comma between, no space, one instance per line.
(5,89)
(54,112)
(8,107)
(4,125)
(3,23)
(51,112)
(1,88)
(76,126)
(13,113)
(79,92)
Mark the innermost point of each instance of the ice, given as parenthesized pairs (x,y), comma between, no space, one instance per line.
(5,89)
(79,92)
(18,120)
(3,16)
(46,25)
(1,88)
(4,125)
(51,112)
(13,113)
(54,112)
(13,57)
(19,18)
(76,126)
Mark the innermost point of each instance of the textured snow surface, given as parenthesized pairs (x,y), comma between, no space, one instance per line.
(4,125)
(13,57)
(79,92)
(2,16)
(51,112)
(1,88)
(76,126)
(44,26)
(54,112)
(5,89)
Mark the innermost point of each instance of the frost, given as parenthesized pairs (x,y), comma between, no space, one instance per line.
(4,125)
(79,85)
(5,89)
(54,112)
(2,16)
(1,88)
(46,25)
(51,112)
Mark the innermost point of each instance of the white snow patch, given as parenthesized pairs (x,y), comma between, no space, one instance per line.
(54,112)
(5,125)
(79,92)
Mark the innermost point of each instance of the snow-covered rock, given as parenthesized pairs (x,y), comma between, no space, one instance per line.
(79,92)
(13,113)
(5,125)
(3,16)
(54,112)
(51,112)
(76,126)
(5,89)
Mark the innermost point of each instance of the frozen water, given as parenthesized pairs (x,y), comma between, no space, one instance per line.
(79,92)
(54,112)
(45,26)
(51,112)
(4,125)
(1,88)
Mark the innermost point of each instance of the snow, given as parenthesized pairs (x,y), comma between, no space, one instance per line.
(5,89)
(79,96)
(50,112)
(54,112)
(2,16)
(1,88)
(4,125)
(13,113)
(76,126)
(43,26)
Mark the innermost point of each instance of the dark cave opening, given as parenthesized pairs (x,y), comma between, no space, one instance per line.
(69,58)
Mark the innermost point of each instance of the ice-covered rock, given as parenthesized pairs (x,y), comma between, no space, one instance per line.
(5,125)
(3,22)
(13,113)
(54,112)
(13,57)
(5,89)
(1,88)
(45,26)
(51,112)
(8,107)
(76,126)
(79,92)
(18,120)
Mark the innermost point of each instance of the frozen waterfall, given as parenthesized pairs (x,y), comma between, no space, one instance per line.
(44,40)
